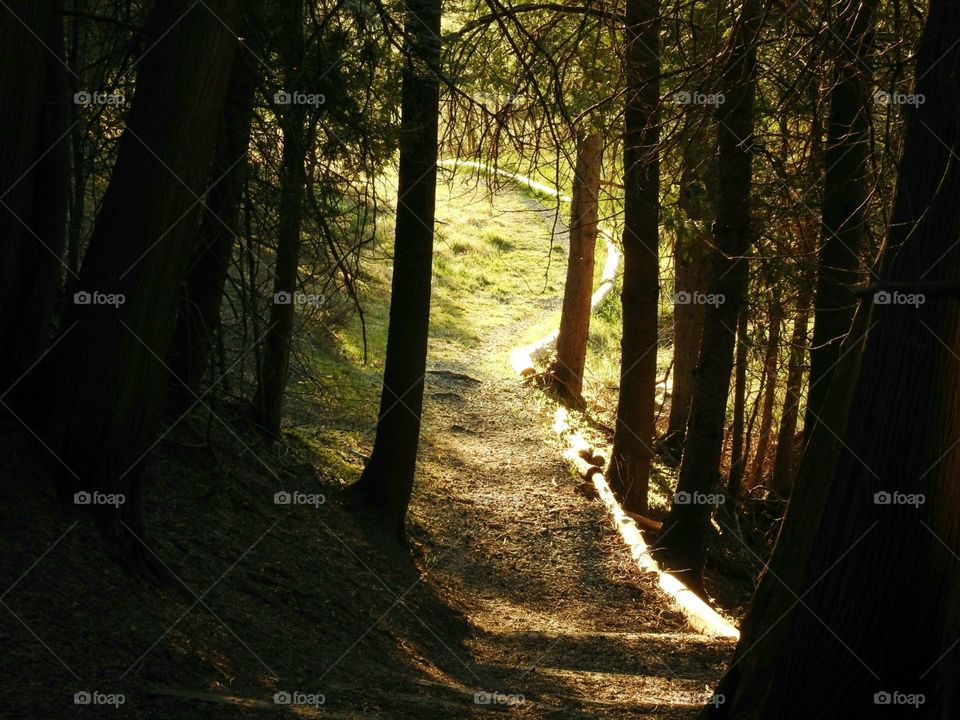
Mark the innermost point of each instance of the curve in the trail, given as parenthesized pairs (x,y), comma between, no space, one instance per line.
(522,358)
(700,615)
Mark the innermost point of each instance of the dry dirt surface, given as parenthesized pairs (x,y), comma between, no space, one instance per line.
(514,598)
(564,624)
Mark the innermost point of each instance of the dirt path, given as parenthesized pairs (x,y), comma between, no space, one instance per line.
(563,617)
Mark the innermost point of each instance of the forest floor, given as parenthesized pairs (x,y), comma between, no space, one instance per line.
(515,596)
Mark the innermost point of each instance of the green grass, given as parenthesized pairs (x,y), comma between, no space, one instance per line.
(494,270)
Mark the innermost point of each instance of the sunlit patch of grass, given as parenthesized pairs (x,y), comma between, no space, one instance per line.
(494,268)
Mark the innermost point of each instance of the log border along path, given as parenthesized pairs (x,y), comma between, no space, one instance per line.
(583,458)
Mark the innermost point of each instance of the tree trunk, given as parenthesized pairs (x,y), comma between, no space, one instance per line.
(78,149)
(106,377)
(266,410)
(785,460)
(845,188)
(199,313)
(387,480)
(685,530)
(770,366)
(567,370)
(692,266)
(632,453)
(691,262)
(877,578)
(33,180)
(738,456)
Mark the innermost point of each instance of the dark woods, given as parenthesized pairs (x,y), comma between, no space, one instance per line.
(195,199)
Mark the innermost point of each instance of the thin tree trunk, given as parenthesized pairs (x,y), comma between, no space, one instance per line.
(685,530)
(33,180)
(629,473)
(106,376)
(738,456)
(387,480)
(770,367)
(845,188)
(266,410)
(784,463)
(567,371)
(878,580)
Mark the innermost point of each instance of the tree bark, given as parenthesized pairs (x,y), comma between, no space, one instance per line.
(738,455)
(770,366)
(387,481)
(34,181)
(199,313)
(692,265)
(266,410)
(567,370)
(878,581)
(784,464)
(691,262)
(685,530)
(845,188)
(629,473)
(106,377)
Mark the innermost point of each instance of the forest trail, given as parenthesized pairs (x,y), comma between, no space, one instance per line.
(565,620)
(307,599)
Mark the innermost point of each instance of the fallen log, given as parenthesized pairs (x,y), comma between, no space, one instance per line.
(586,451)
(700,615)
(583,468)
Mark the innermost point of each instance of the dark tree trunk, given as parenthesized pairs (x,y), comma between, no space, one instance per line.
(106,376)
(78,148)
(738,454)
(629,472)
(878,581)
(771,363)
(692,265)
(684,532)
(199,314)
(387,480)
(267,406)
(784,463)
(567,370)
(691,262)
(33,180)
(845,188)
